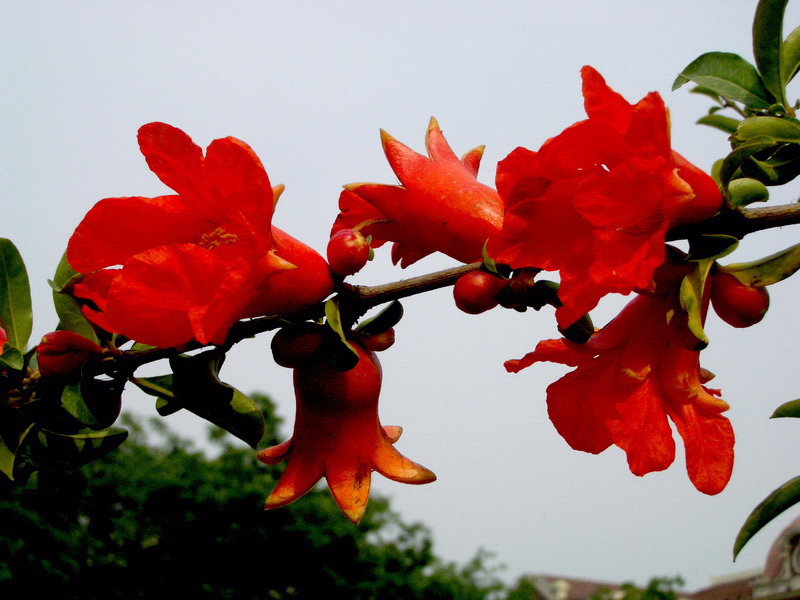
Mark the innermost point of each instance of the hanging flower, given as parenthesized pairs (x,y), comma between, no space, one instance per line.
(337,435)
(596,202)
(440,206)
(631,378)
(167,270)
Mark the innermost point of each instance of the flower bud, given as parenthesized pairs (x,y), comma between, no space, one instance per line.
(61,353)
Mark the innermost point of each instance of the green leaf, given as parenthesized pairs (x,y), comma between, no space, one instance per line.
(8,454)
(69,313)
(699,89)
(770,507)
(730,76)
(95,403)
(12,358)
(789,409)
(197,388)
(56,451)
(343,355)
(721,122)
(691,295)
(710,246)
(790,56)
(781,130)
(767,40)
(16,314)
(771,172)
(768,270)
(745,191)
(162,387)
(741,153)
(385,319)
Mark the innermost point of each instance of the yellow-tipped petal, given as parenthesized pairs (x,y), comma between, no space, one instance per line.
(393,432)
(277,190)
(275,454)
(350,489)
(393,465)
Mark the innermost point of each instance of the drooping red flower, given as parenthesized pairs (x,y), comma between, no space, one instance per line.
(337,435)
(61,353)
(596,201)
(171,269)
(439,207)
(632,378)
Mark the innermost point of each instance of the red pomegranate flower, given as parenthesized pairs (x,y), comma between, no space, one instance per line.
(195,262)
(440,206)
(595,203)
(337,435)
(631,377)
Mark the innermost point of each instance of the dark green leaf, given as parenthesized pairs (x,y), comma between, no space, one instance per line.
(704,247)
(16,314)
(95,403)
(767,40)
(741,153)
(12,358)
(721,122)
(768,270)
(790,56)
(770,507)
(745,191)
(198,389)
(8,452)
(388,317)
(161,387)
(789,409)
(69,313)
(730,76)
(55,451)
(770,172)
(691,295)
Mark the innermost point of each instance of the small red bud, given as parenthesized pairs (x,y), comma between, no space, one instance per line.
(348,252)
(737,304)
(61,353)
(476,292)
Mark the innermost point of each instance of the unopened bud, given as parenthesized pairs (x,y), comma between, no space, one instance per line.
(61,353)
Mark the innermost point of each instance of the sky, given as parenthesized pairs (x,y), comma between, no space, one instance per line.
(309,85)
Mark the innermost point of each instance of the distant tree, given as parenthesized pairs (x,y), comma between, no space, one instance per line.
(153,519)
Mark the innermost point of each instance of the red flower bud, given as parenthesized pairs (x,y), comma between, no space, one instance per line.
(61,353)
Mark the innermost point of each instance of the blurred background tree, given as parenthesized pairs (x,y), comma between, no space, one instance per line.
(156,517)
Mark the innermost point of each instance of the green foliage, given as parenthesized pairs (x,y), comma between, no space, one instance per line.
(16,314)
(195,385)
(157,518)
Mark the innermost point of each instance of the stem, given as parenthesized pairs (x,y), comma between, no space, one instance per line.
(359,298)
(741,221)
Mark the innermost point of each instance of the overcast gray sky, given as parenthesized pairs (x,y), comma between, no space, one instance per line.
(308,85)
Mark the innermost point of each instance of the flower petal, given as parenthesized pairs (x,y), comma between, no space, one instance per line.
(117,228)
(708,438)
(176,160)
